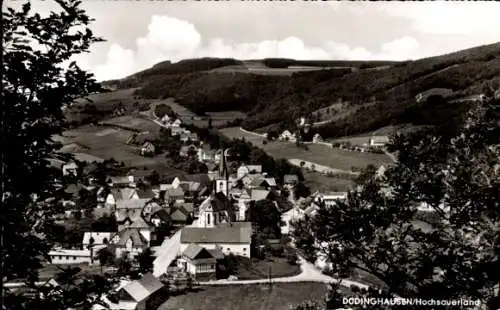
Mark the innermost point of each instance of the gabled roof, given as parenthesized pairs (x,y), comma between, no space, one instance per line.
(179,214)
(174,192)
(188,206)
(131,203)
(379,139)
(228,234)
(143,288)
(189,186)
(219,202)
(259,194)
(192,251)
(216,253)
(127,193)
(131,234)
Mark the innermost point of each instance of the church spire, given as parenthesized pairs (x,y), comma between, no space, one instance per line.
(223,171)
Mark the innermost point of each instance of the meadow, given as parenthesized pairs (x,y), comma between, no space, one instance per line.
(320,154)
(247,297)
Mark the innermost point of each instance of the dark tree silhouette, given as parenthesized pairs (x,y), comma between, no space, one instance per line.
(35,87)
(455,171)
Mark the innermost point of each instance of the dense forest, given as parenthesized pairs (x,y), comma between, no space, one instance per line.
(271,99)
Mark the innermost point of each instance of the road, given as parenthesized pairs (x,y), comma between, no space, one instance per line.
(309,274)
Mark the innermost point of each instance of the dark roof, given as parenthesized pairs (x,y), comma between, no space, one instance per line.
(178,214)
(224,234)
(216,253)
(162,214)
(201,178)
(145,193)
(188,206)
(219,202)
(193,251)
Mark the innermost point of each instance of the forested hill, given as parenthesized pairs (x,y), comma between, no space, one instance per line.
(277,91)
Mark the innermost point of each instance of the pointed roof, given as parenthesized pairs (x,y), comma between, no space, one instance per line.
(143,288)
(223,171)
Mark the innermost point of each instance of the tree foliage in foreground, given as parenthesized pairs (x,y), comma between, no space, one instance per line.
(36,84)
(455,172)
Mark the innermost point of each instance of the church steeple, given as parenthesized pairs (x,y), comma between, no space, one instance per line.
(222,181)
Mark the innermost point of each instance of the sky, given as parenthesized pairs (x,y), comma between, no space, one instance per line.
(140,34)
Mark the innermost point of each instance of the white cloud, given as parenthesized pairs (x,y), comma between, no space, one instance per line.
(172,39)
(450,17)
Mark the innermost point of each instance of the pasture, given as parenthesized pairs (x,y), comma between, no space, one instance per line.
(129,122)
(322,183)
(280,296)
(320,154)
(105,144)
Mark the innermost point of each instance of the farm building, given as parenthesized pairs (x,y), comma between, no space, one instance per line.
(287,136)
(378,140)
(67,256)
(148,149)
(317,138)
(143,294)
(230,238)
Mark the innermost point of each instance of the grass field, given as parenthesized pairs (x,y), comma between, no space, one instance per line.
(322,183)
(134,123)
(260,269)
(319,154)
(247,297)
(105,144)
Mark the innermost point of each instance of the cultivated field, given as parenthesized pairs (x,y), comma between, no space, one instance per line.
(106,143)
(320,154)
(130,122)
(247,297)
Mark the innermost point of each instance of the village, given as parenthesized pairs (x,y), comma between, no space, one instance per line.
(161,232)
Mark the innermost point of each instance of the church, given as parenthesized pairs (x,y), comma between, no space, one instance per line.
(218,207)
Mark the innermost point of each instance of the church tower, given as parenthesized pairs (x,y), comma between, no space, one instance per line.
(222,180)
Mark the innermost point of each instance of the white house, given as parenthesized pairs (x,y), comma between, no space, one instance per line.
(317,138)
(198,261)
(176,123)
(330,198)
(230,238)
(147,149)
(70,168)
(65,256)
(287,136)
(248,169)
(378,140)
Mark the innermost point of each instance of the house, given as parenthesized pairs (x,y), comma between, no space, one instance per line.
(206,153)
(70,168)
(122,194)
(143,294)
(215,209)
(267,183)
(290,179)
(287,136)
(231,238)
(198,262)
(130,241)
(378,141)
(317,138)
(248,169)
(98,238)
(176,123)
(260,194)
(165,119)
(289,217)
(147,149)
(179,216)
(128,208)
(121,181)
(65,256)
(175,131)
(330,198)
(175,194)
(146,193)
(187,150)
(188,136)
(159,217)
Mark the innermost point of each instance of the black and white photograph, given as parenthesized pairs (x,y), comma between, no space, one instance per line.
(250,155)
